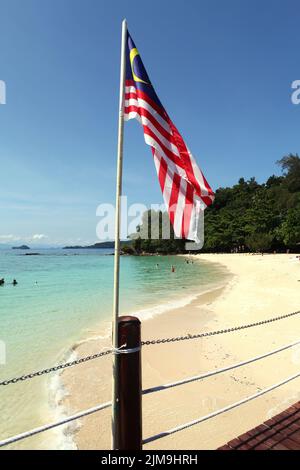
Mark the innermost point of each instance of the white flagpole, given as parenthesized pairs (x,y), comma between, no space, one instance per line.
(117,231)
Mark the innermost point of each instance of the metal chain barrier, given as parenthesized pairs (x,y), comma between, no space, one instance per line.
(218,332)
(56,368)
(144,343)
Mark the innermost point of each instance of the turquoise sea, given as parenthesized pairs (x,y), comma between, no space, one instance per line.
(61,296)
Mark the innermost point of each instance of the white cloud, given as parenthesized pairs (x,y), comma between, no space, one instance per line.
(39,236)
(16,238)
(9,238)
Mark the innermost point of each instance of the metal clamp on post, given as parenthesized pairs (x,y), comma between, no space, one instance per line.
(126,351)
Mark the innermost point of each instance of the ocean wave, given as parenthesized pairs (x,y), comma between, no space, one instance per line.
(106,327)
(150,312)
(63,435)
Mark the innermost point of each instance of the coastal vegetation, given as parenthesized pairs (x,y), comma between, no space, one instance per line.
(98,245)
(245,217)
(22,247)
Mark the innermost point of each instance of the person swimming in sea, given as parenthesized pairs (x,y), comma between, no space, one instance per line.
(14,283)
(2,281)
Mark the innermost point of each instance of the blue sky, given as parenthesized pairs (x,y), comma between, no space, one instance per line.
(223,70)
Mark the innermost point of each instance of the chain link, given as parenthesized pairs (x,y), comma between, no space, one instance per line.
(144,343)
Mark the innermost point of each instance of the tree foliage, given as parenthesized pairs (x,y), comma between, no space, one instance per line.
(257,217)
(247,216)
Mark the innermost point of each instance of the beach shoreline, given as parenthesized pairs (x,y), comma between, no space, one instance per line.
(258,287)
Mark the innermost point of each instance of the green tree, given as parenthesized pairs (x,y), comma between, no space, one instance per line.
(259,241)
(290,228)
(290,165)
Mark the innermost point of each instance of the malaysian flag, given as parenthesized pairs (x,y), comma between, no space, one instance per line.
(185,190)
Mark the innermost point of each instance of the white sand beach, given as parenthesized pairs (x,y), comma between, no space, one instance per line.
(261,287)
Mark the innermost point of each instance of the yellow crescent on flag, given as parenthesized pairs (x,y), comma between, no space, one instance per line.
(133,53)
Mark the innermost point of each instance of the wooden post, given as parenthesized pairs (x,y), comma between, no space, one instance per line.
(129,386)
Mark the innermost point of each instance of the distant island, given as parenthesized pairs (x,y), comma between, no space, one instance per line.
(22,247)
(98,245)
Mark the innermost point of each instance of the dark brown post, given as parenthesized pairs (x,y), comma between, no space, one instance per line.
(129,389)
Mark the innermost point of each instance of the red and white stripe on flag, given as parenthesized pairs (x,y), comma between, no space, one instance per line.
(184,187)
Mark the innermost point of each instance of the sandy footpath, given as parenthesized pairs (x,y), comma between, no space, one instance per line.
(261,287)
